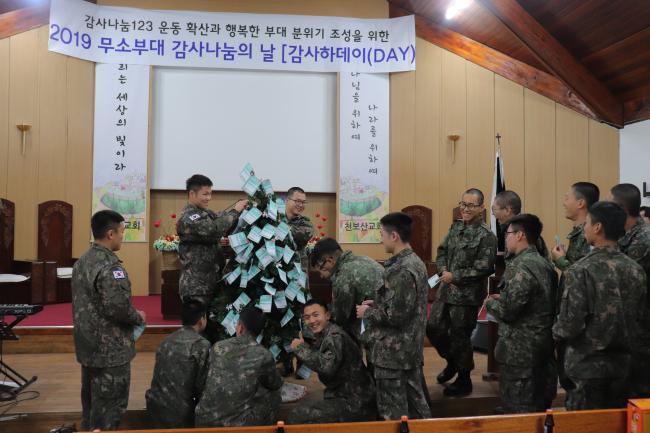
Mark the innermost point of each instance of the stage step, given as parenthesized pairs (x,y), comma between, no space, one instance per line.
(59,339)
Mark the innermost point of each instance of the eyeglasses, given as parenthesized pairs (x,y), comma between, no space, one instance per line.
(321,265)
(470,206)
(300,202)
(513,231)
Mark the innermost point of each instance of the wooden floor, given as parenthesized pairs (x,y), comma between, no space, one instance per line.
(59,387)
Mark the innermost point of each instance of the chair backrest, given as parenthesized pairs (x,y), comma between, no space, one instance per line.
(421,230)
(7,222)
(55,232)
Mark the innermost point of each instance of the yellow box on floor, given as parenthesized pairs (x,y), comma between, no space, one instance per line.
(638,415)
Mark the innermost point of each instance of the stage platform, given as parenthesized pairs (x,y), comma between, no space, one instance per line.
(59,387)
(46,350)
(50,331)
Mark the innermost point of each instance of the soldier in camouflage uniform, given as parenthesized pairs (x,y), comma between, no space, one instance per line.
(636,245)
(465,259)
(180,371)
(603,296)
(507,204)
(645,214)
(243,385)
(301,227)
(525,310)
(349,390)
(302,230)
(199,230)
(396,320)
(354,279)
(577,201)
(104,320)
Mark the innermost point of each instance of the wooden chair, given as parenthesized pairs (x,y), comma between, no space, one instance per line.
(12,291)
(421,238)
(55,249)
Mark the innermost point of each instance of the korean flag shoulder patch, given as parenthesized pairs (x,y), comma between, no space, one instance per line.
(195,217)
(119,274)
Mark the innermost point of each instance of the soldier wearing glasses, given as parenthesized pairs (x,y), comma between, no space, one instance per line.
(302,231)
(465,258)
(301,227)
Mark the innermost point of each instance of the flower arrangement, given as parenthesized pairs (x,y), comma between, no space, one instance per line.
(168,241)
(320,233)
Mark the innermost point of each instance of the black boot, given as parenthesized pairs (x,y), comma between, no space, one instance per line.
(447,374)
(461,387)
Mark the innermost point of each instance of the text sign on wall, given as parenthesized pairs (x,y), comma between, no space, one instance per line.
(107,34)
(120,144)
(363,156)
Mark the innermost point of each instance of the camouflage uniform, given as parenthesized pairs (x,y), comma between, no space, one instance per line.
(602,301)
(242,387)
(525,312)
(577,249)
(396,322)
(302,231)
(354,279)
(199,231)
(178,379)
(103,318)
(468,252)
(636,245)
(349,390)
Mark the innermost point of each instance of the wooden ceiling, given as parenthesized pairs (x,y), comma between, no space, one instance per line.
(598,49)
(590,55)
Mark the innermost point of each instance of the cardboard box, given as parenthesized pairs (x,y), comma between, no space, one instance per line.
(638,415)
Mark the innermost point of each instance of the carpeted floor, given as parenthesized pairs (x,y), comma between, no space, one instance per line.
(61,314)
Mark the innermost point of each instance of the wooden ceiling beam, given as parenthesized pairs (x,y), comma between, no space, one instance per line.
(497,62)
(21,20)
(636,110)
(557,59)
(17,16)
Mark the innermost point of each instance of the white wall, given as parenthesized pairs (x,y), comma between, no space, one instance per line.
(635,157)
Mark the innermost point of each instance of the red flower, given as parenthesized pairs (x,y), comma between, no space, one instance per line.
(324,218)
(156,223)
(170,238)
(319,226)
(322,234)
(173,215)
(317,215)
(317,238)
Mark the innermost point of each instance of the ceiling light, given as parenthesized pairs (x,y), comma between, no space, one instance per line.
(456,7)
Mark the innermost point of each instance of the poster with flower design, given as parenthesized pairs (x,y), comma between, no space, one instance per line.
(120,145)
(363,156)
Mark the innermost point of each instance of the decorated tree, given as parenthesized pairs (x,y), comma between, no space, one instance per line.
(266,270)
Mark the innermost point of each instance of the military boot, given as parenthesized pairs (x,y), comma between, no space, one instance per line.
(447,374)
(461,387)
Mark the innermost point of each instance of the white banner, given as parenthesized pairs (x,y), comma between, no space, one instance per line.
(120,144)
(107,34)
(363,156)
(634,158)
